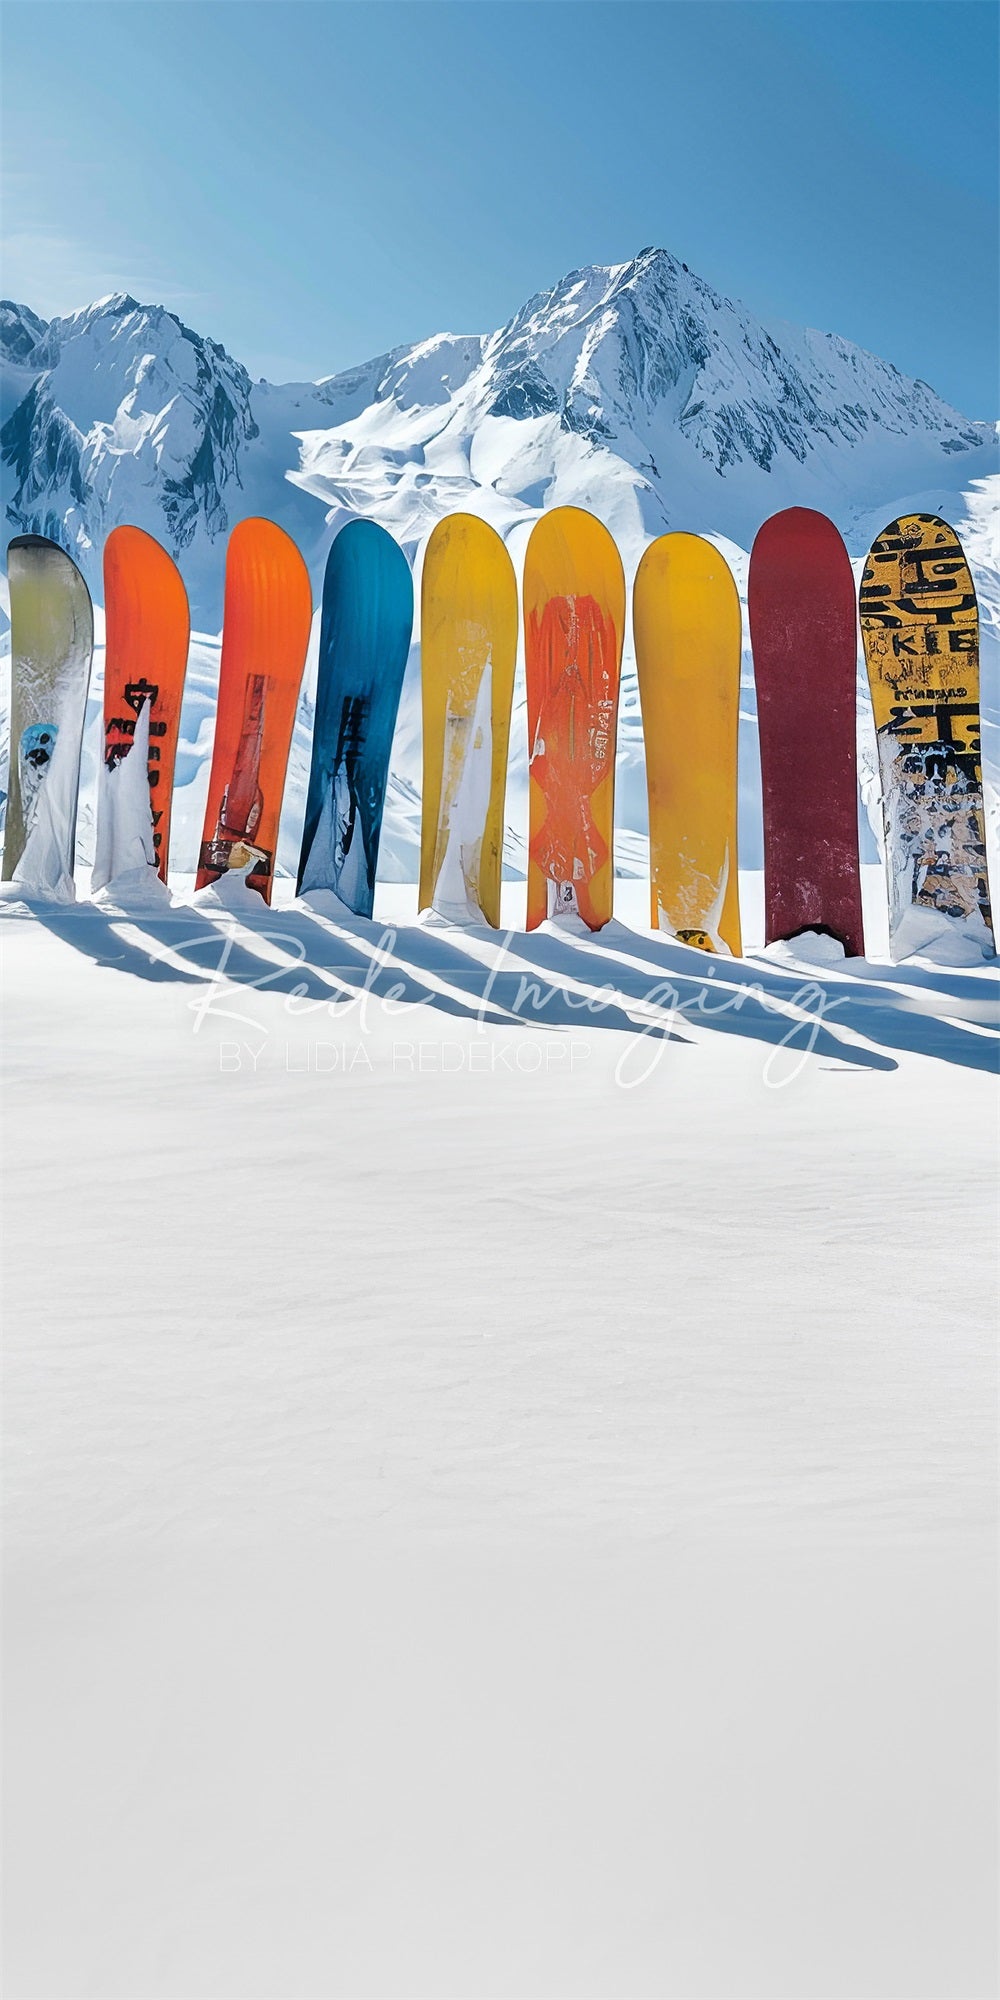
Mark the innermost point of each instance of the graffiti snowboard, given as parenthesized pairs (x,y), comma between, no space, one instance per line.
(920,626)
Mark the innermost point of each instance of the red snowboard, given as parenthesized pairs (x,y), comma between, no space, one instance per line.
(803,629)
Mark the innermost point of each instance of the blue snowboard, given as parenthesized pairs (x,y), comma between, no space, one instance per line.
(364,641)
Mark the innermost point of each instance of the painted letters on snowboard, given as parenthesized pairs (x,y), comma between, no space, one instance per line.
(468,647)
(920,626)
(686,620)
(148,627)
(574,621)
(803,628)
(265,634)
(52,642)
(364,642)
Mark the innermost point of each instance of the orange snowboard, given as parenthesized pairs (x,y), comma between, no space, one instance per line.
(574,622)
(265,633)
(148,627)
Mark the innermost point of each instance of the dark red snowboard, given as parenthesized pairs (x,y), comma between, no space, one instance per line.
(803,629)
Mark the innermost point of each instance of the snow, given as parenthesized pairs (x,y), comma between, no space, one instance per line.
(501,1459)
(500,1431)
(464,804)
(124,846)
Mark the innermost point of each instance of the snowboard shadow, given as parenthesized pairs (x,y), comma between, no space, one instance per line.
(312,962)
(953,1019)
(790,1018)
(480,988)
(618,980)
(280,952)
(97,934)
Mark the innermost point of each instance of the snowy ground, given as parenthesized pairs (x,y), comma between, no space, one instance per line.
(501,1478)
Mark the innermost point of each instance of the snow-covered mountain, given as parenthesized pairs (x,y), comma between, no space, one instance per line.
(634,390)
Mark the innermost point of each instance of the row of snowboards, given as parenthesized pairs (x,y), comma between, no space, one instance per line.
(920,630)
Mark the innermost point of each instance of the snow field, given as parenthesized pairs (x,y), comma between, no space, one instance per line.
(495,1526)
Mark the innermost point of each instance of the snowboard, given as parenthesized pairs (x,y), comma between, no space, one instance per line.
(803,630)
(148,627)
(364,643)
(920,627)
(574,623)
(265,633)
(52,642)
(468,648)
(687,628)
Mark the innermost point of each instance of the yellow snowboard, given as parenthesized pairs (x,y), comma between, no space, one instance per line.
(574,624)
(686,621)
(920,626)
(468,646)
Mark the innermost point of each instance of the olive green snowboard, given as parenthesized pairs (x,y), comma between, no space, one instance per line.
(52,642)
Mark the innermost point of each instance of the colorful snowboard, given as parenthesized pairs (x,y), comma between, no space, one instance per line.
(265,633)
(920,626)
(364,643)
(468,647)
(148,627)
(686,621)
(803,628)
(574,623)
(52,642)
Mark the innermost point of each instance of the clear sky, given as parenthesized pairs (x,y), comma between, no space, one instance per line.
(313,181)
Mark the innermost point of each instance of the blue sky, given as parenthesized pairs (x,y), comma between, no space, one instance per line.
(313,181)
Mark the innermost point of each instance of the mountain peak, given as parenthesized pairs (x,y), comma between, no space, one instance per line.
(635,389)
(118,400)
(121,302)
(20,332)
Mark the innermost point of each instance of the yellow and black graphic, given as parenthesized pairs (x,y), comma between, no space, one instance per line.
(920,625)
